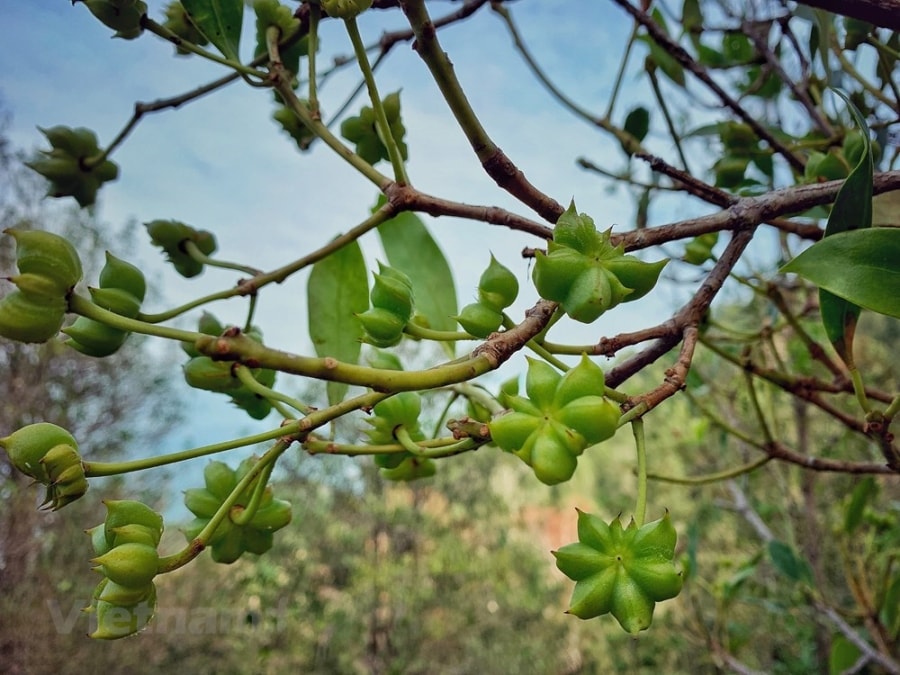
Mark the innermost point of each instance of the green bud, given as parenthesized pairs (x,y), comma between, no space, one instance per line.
(220,480)
(541,383)
(118,621)
(27,446)
(382,326)
(479,319)
(345,9)
(392,294)
(25,318)
(131,565)
(47,255)
(123,16)
(171,235)
(93,338)
(498,286)
(130,512)
(117,273)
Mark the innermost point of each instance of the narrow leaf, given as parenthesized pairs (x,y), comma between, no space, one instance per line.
(410,248)
(220,21)
(337,290)
(861,268)
(856,507)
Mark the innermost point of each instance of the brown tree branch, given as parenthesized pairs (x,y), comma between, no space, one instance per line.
(884,13)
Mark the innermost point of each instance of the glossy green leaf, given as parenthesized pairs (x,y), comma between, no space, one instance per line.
(861,268)
(337,290)
(410,248)
(786,561)
(220,22)
(852,210)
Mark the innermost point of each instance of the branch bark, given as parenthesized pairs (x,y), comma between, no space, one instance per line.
(884,13)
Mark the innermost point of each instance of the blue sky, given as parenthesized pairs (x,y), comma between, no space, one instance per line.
(222,164)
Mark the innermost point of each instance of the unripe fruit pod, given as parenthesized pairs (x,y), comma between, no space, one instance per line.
(345,9)
(25,319)
(171,235)
(631,606)
(229,548)
(98,539)
(93,338)
(131,565)
(411,468)
(579,561)
(201,372)
(511,431)
(118,621)
(585,379)
(273,517)
(659,580)
(257,541)
(541,382)
(48,255)
(635,274)
(382,325)
(116,300)
(497,287)
(124,596)
(391,294)
(57,169)
(592,293)
(479,319)
(130,512)
(27,446)
(201,502)
(391,105)
(123,16)
(77,143)
(117,273)
(594,417)
(550,458)
(219,479)
(555,272)
(133,534)
(40,289)
(254,405)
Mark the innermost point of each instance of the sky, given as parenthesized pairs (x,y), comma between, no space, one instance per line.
(222,164)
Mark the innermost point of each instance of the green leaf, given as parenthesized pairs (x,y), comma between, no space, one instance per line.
(852,210)
(855,508)
(637,123)
(890,609)
(692,19)
(664,61)
(410,248)
(859,267)
(220,21)
(788,562)
(337,290)
(843,656)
